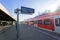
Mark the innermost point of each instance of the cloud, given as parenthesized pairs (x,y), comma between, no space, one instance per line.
(53,6)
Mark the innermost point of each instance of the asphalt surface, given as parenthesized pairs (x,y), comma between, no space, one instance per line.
(26,32)
(9,34)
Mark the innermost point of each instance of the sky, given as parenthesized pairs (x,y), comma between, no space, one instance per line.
(39,6)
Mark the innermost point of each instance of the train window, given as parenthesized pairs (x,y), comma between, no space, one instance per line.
(39,21)
(57,21)
(47,22)
(35,22)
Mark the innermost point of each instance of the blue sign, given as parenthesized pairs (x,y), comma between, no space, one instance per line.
(26,10)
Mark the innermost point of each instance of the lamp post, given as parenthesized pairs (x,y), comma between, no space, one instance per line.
(17,22)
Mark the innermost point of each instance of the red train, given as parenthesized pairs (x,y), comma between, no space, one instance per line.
(50,21)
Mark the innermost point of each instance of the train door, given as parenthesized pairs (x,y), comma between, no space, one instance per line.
(57,23)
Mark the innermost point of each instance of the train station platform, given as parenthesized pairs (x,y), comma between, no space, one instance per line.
(4,28)
(27,32)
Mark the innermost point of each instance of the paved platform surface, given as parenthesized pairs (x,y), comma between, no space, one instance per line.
(9,34)
(26,32)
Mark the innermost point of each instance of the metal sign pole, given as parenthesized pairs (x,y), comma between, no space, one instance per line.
(17,25)
(17,22)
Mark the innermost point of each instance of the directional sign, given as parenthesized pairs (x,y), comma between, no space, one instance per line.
(26,10)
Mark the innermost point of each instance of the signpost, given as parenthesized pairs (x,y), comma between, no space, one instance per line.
(17,22)
(24,10)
